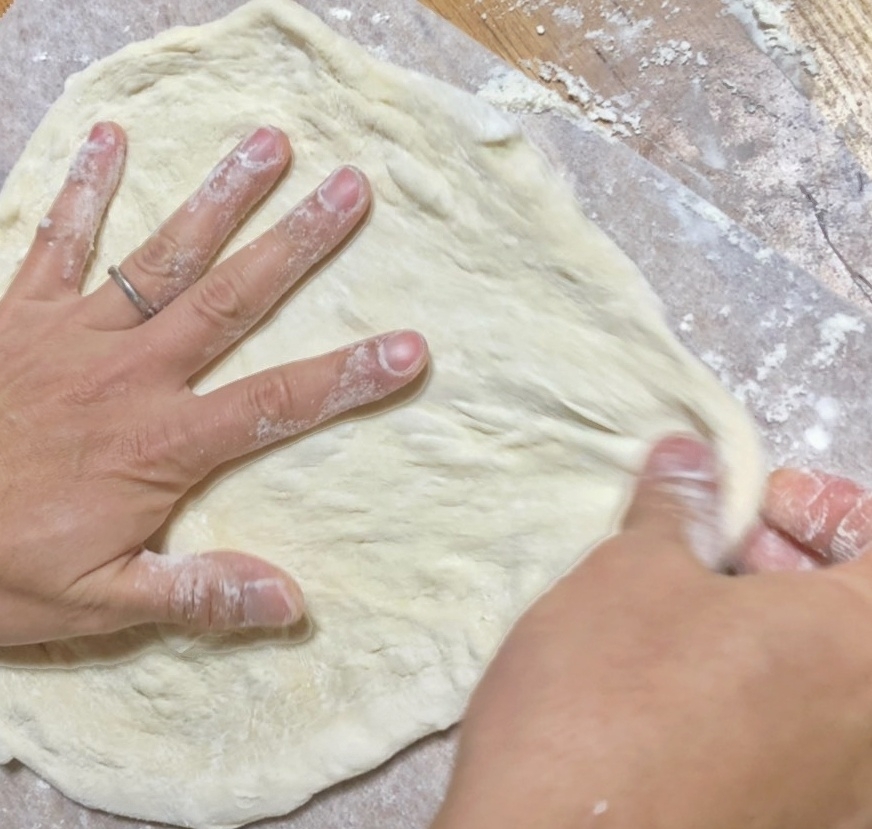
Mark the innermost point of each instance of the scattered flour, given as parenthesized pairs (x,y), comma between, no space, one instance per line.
(818,438)
(833,334)
(772,361)
(512,91)
(340,13)
(569,15)
(665,54)
(767,24)
(378,51)
(828,409)
(614,114)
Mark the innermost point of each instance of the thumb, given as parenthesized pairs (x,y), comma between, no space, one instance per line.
(213,591)
(677,500)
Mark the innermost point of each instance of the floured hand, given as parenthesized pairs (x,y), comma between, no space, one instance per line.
(100,433)
(645,691)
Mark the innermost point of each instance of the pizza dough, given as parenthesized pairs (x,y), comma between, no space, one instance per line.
(419,534)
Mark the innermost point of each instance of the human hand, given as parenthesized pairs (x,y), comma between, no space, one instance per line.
(100,433)
(644,691)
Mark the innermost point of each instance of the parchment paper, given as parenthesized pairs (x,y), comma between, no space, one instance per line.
(795,353)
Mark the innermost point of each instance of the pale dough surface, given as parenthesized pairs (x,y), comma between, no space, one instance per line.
(419,535)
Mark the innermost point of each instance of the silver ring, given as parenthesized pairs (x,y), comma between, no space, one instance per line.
(142,305)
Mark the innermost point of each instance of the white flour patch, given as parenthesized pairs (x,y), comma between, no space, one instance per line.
(378,51)
(833,334)
(614,115)
(818,438)
(512,91)
(665,54)
(338,13)
(766,22)
(568,15)
(772,361)
(828,409)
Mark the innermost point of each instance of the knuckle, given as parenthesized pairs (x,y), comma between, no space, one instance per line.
(155,257)
(273,397)
(87,388)
(151,452)
(165,259)
(219,301)
(190,599)
(196,599)
(138,448)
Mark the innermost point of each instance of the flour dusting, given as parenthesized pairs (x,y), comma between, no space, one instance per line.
(766,22)
(833,334)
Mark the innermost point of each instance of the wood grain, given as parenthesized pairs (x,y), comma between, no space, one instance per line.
(841,36)
(837,34)
(783,152)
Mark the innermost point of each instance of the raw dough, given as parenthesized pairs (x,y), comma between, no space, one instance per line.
(419,535)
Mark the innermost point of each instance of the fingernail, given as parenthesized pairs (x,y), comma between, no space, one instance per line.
(268,603)
(400,353)
(261,145)
(102,134)
(682,457)
(341,192)
(685,469)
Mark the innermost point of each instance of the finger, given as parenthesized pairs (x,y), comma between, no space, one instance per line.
(178,252)
(768,551)
(284,401)
(237,293)
(213,591)
(830,516)
(65,237)
(676,506)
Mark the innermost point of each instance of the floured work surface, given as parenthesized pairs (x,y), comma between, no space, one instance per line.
(789,369)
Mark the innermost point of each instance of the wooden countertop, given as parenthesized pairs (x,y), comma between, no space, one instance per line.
(838,36)
(777,133)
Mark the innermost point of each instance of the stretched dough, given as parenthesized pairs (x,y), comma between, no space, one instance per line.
(419,535)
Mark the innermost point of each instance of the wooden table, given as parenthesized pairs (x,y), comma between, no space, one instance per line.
(780,140)
(839,34)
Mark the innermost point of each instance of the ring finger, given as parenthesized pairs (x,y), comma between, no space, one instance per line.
(176,255)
